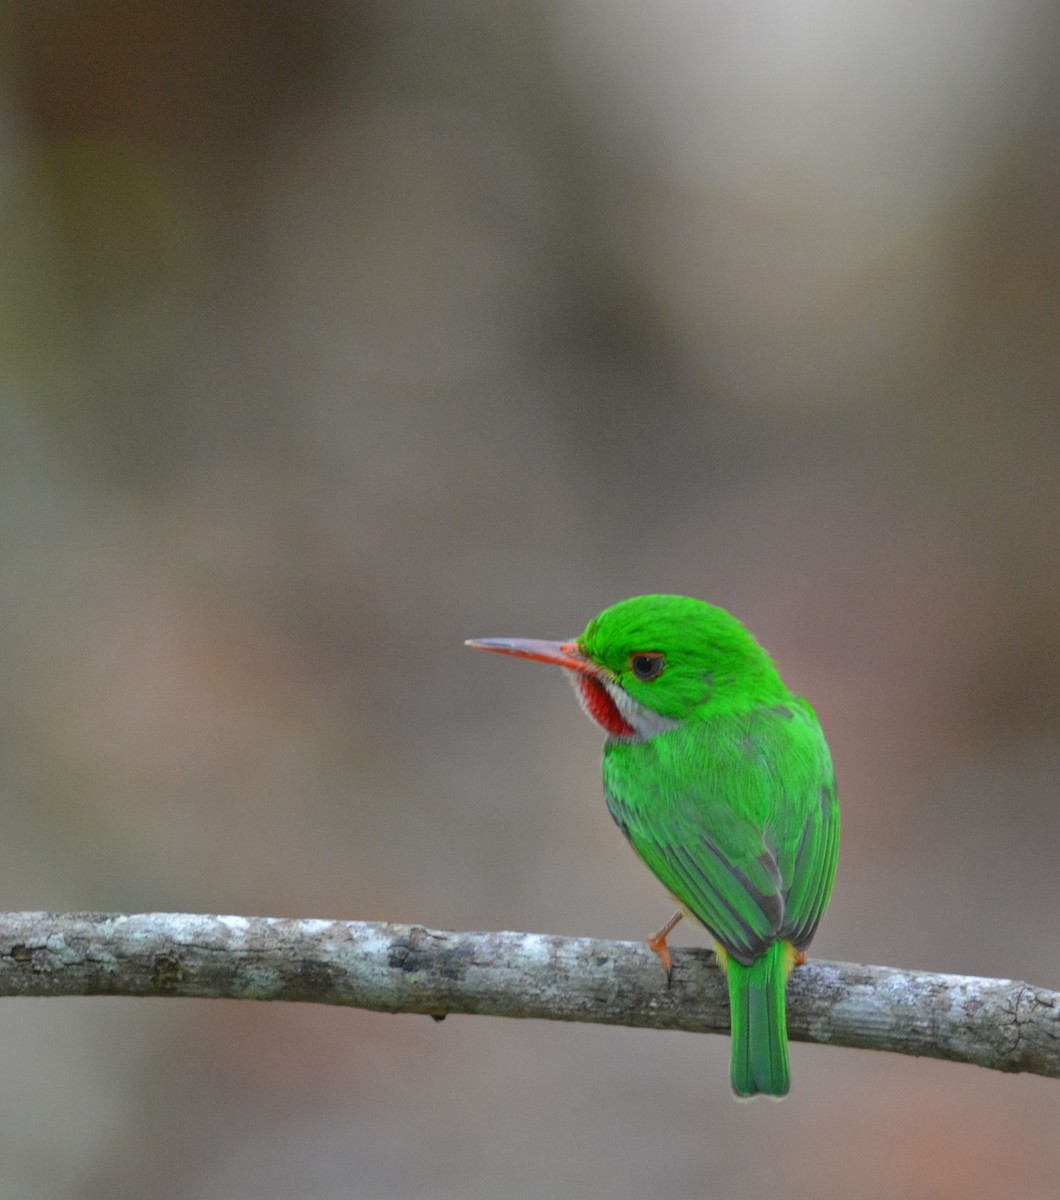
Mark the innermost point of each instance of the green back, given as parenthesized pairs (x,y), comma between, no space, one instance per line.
(737,816)
(735,808)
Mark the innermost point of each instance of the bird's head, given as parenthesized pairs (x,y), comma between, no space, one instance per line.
(646,664)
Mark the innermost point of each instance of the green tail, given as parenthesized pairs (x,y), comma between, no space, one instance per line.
(759,1024)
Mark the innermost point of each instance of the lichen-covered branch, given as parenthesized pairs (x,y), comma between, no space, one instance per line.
(995,1023)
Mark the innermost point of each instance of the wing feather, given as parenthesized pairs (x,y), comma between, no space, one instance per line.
(738,819)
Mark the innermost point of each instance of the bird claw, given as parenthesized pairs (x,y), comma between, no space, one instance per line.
(659,946)
(657,943)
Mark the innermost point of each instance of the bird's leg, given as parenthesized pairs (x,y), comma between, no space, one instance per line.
(657,942)
(800,958)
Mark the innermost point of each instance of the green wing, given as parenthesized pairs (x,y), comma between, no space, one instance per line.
(810,870)
(737,817)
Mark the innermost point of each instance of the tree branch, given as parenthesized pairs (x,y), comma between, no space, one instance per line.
(997,1023)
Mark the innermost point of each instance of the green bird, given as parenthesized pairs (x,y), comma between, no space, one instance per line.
(722,781)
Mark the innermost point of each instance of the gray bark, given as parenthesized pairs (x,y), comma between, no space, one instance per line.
(997,1023)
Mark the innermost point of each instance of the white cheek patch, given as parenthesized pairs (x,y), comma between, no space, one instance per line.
(616,712)
(645,722)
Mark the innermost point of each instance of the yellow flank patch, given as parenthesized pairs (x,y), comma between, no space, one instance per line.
(790,955)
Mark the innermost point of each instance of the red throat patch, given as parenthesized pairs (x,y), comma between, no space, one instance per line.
(597,702)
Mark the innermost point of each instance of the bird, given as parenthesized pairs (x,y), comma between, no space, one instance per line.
(722,781)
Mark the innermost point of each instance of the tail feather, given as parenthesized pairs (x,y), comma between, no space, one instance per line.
(759,1023)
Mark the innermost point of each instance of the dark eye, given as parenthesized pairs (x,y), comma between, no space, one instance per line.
(647,666)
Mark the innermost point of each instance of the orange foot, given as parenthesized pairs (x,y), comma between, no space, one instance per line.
(657,942)
(799,959)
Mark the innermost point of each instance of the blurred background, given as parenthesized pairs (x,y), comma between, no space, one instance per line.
(332,334)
